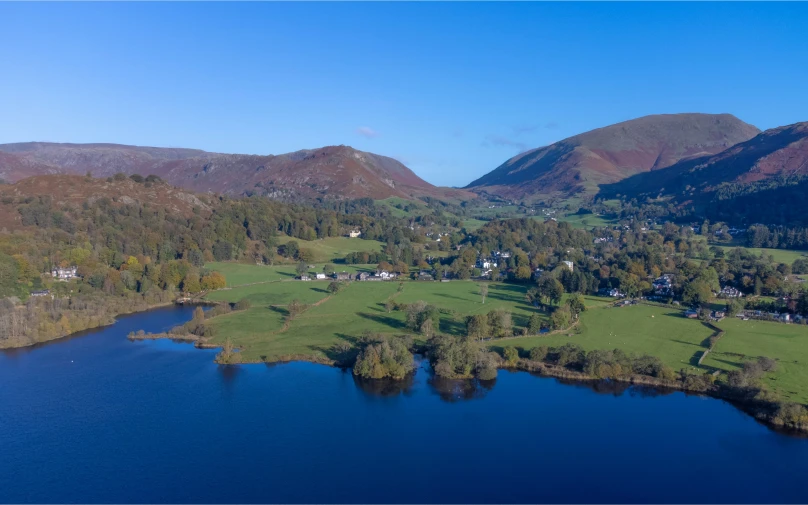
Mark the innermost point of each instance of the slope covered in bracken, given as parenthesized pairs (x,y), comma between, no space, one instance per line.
(764,179)
(581,163)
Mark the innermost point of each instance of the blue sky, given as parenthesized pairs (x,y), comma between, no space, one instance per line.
(451,89)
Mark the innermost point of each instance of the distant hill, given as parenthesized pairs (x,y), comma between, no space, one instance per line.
(606,155)
(337,172)
(764,179)
(73,191)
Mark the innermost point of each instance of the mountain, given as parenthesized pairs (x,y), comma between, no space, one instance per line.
(330,172)
(764,179)
(606,155)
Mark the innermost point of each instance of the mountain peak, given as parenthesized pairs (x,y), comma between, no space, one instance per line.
(579,164)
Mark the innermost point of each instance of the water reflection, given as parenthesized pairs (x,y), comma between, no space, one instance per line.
(386,387)
(454,390)
(616,388)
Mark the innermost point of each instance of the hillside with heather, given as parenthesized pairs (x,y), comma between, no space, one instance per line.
(333,172)
(761,180)
(579,164)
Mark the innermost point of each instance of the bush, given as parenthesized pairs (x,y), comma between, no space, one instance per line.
(389,358)
(242,304)
(511,355)
(539,353)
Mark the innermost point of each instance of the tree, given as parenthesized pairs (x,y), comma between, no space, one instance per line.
(301,268)
(534,324)
(511,355)
(576,305)
(539,353)
(561,318)
(477,327)
(697,292)
(328,268)
(335,287)
(483,291)
(295,308)
(550,290)
(427,329)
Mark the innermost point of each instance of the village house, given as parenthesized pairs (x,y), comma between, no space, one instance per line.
(40,292)
(342,276)
(362,276)
(613,292)
(354,233)
(64,274)
(729,292)
(691,314)
(663,286)
(423,275)
(321,276)
(304,277)
(486,263)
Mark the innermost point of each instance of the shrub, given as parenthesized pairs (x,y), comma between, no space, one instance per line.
(511,355)
(539,353)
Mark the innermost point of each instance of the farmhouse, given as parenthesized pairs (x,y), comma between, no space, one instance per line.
(354,233)
(64,274)
(729,292)
(342,276)
(304,277)
(691,314)
(321,276)
(425,276)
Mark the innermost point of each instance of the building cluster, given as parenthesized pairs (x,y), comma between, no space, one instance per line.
(65,274)
(663,285)
(378,275)
(729,292)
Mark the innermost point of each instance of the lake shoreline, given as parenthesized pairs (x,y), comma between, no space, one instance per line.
(114,319)
(761,411)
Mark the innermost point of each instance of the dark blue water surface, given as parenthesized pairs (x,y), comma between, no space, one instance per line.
(97,418)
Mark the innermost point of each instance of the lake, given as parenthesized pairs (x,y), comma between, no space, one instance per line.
(97,418)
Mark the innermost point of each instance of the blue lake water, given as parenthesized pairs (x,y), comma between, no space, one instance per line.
(97,418)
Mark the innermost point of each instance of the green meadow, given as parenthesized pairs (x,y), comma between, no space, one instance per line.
(262,331)
(786,343)
(641,329)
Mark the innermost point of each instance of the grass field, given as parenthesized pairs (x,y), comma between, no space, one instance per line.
(779,255)
(787,343)
(586,221)
(639,329)
(239,274)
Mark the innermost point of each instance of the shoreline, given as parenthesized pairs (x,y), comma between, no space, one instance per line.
(136,311)
(761,411)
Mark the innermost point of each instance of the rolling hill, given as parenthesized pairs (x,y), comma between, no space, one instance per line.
(579,164)
(338,172)
(764,179)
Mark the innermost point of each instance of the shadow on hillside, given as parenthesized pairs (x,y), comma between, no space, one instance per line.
(286,274)
(383,319)
(279,310)
(452,327)
(454,297)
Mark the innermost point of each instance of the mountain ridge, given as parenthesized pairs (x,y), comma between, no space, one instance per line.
(581,163)
(339,172)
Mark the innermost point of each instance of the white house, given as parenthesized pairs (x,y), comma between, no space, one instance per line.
(321,276)
(64,274)
(569,264)
(354,233)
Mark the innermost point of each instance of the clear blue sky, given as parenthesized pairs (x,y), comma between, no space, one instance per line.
(451,89)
